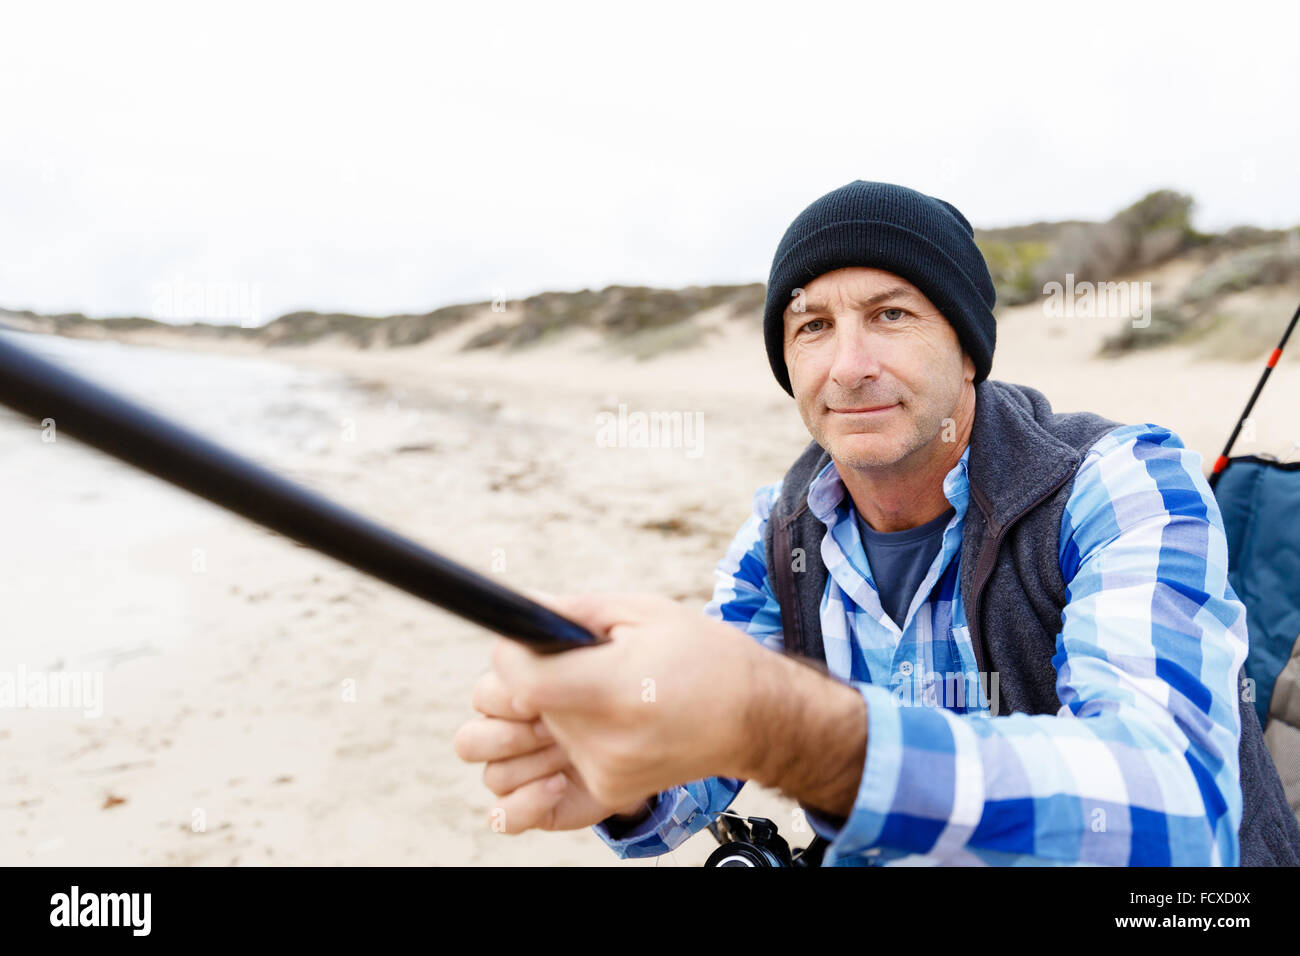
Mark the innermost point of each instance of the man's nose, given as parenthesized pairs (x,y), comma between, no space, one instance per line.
(856,356)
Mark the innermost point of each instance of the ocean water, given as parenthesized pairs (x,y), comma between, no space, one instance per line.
(265,408)
(95,555)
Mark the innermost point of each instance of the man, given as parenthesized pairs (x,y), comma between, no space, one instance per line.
(1032,649)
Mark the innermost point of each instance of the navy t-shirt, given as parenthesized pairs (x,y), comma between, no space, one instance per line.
(900,559)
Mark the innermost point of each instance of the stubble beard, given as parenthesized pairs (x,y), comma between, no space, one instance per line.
(889,449)
(877,450)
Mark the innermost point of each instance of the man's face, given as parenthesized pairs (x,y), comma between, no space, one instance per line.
(868,339)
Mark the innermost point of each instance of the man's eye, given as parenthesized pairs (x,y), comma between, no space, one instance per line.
(808,326)
(901,313)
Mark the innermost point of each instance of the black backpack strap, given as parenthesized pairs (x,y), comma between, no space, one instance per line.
(791,528)
(799,642)
(783,576)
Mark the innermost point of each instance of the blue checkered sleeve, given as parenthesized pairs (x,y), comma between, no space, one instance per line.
(741,596)
(1140,765)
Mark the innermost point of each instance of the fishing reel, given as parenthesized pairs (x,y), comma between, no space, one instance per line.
(753,841)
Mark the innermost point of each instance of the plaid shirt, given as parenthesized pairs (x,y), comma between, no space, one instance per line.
(1138,767)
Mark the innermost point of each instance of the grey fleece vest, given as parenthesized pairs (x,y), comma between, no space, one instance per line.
(1023,457)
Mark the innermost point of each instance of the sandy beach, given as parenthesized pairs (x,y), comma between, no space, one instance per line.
(264,705)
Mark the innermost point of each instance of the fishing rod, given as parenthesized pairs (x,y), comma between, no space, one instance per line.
(1222,461)
(44,391)
(132,433)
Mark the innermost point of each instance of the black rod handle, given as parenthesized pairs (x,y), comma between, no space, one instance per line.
(140,437)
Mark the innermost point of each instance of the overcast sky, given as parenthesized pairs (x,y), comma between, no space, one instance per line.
(379,158)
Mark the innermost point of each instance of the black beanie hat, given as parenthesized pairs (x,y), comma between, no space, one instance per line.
(883,226)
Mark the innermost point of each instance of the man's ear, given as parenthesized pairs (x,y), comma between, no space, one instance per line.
(968,366)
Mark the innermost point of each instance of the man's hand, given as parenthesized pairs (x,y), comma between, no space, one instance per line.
(537,783)
(674,696)
(661,702)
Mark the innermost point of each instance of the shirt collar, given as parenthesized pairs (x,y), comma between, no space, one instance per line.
(826,492)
